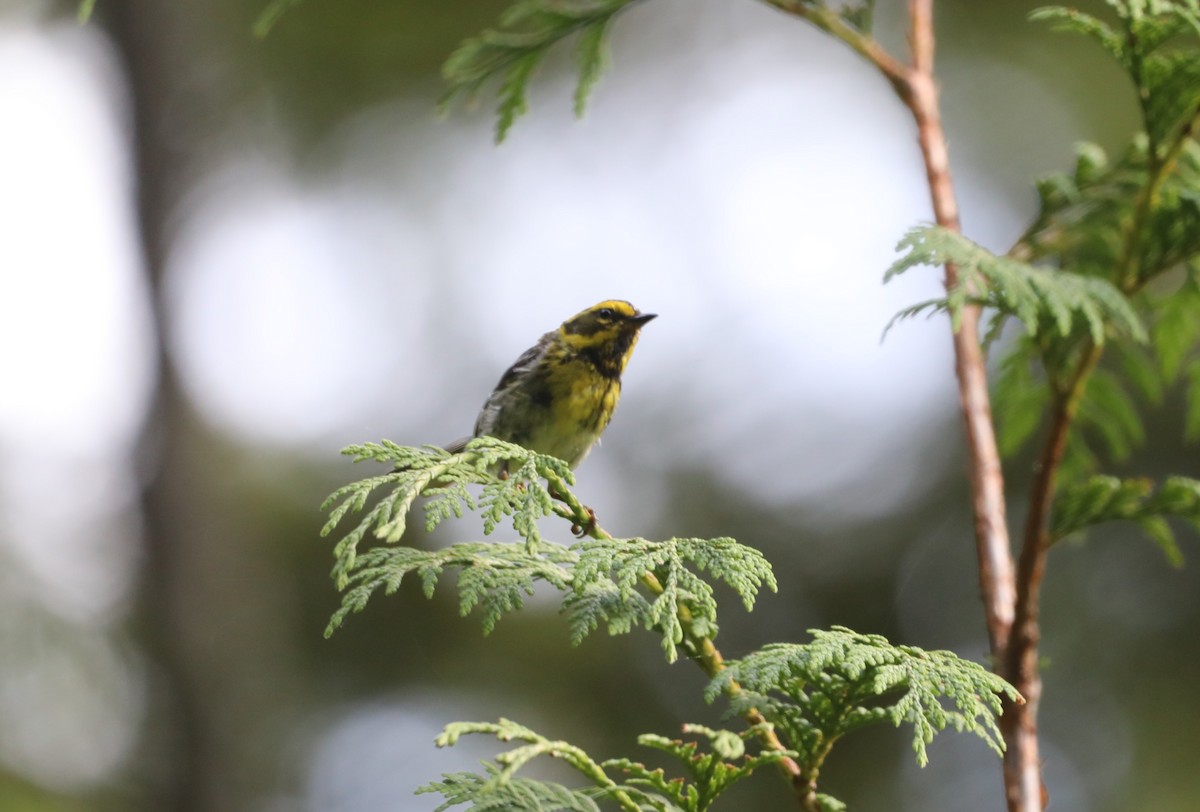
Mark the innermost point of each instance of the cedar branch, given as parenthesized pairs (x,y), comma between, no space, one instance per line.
(706,655)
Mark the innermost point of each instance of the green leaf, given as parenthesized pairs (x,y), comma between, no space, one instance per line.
(591,605)
(513,102)
(709,774)
(485,794)
(593,60)
(815,693)
(442,479)
(494,578)
(610,571)
(1157,48)
(511,52)
(1086,220)
(1137,366)
(1101,499)
(1192,426)
(271,15)
(1172,86)
(860,16)
(1108,410)
(1042,298)
(502,789)
(521,497)
(1078,22)
(1176,331)
(1019,400)
(603,581)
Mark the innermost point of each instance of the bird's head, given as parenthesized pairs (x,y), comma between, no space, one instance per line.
(605,333)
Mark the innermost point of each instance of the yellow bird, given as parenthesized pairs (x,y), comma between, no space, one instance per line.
(560,395)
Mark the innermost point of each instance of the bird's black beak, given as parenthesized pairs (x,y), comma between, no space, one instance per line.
(641,318)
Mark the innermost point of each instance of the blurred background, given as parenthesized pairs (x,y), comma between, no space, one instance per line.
(223,259)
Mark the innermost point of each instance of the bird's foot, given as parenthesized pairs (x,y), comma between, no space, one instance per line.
(585,529)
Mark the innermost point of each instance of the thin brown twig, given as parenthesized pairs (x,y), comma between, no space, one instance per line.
(996,578)
(999,587)
(1024,789)
(866,46)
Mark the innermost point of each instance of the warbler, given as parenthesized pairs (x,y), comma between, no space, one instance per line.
(559,396)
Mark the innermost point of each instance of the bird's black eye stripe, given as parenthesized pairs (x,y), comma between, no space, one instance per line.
(606,313)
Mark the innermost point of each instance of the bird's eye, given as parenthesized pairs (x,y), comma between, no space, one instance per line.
(605,313)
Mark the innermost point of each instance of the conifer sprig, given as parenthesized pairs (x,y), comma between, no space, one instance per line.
(483,794)
(1103,499)
(443,478)
(1039,297)
(1153,48)
(709,773)
(512,52)
(620,584)
(271,15)
(495,578)
(816,692)
(609,572)
(1135,221)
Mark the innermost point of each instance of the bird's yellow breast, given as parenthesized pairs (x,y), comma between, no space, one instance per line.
(582,406)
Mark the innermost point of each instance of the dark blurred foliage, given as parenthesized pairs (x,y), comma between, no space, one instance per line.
(234,591)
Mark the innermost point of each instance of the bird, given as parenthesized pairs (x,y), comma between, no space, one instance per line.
(559,396)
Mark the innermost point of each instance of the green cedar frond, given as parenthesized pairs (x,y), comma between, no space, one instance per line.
(591,605)
(536,744)
(1192,426)
(610,571)
(502,789)
(860,16)
(1175,333)
(512,52)
(521,497)
(1040,297)
(442,478)
(1137,366)
(1085,218)
(1172,87)
(485,794)
(599,579)
(592,58)
(1078,22)
(1106,499)
(1019,398)
(709,774)
(271,15)
(493,577)
(84,12)
(843,680)
(1157,48)
(1108,411)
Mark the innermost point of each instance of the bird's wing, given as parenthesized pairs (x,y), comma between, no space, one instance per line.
(458,445)
(511,377)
